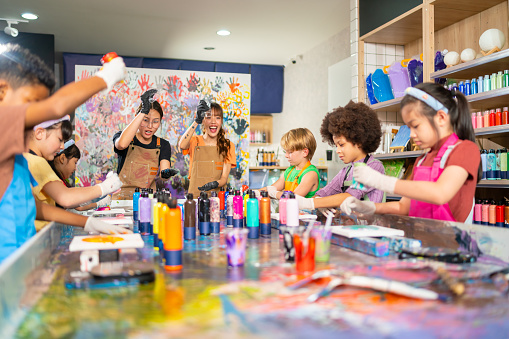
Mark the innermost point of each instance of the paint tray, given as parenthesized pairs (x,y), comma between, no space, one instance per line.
(120,221)
(372,246)
(112,212)
(357,231)
(105,242)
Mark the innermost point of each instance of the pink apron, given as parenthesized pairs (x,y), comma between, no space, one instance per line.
(425,173)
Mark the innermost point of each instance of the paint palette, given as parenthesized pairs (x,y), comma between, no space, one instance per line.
(105,242)
(120,220)
(357,231)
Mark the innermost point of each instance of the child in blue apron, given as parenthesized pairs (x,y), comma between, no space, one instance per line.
(444,179)
(25,85)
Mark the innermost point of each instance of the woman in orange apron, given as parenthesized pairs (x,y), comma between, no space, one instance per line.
(212,155)
(140,153)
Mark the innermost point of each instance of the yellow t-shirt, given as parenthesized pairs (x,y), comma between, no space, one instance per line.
(42,173)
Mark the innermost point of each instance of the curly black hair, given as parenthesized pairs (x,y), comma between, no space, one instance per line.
(19,67)
(356,122)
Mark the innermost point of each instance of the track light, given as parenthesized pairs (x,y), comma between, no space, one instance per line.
(9,30)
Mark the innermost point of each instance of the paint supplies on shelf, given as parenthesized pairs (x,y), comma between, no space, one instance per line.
(266,158)
(488,118)
(482,84)
(494,164)
(489,212)
(259,137)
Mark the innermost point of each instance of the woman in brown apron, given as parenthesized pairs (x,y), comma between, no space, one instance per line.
(212,155)
(141,154)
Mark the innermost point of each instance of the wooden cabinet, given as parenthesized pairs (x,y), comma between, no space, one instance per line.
(262,124)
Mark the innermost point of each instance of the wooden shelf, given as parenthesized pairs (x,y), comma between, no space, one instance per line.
(398,155)
(473,69)
(448,12)
(497,98)
(493,184)
(259,144)
(387,106)
(281,167)
(404,29)
(493,131)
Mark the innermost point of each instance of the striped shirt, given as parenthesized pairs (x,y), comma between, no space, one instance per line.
(334,187)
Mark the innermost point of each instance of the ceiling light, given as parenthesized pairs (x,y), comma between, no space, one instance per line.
(223,32)
(9,30)
(209,48)
(29,16)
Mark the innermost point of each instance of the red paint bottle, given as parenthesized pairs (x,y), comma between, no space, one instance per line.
(505,116)
(498,117)
(108,57)
(492,117)
(500,211)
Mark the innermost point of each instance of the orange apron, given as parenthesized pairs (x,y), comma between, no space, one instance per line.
(139,170)
(207,166)
(292,185)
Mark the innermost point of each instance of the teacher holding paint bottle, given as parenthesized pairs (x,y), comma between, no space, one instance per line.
(212,154)
(140,153)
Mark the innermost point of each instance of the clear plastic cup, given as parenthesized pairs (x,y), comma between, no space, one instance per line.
(236,240)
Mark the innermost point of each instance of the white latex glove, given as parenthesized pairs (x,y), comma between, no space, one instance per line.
(272,191)
(111,184)
(369,177)
(104,202)
(95,225)
(352,204)
(112,72)
(257,193)
(305,203)
(328,211)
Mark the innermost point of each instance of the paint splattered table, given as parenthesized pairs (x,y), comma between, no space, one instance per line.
(208,299)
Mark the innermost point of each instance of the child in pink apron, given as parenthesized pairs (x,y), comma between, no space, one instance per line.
(444,179)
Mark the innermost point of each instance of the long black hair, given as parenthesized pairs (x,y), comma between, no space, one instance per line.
(70,152)
(455,102)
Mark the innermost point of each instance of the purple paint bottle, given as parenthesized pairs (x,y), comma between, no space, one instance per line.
(144,203)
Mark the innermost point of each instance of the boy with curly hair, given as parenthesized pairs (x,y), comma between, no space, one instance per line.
(355,131)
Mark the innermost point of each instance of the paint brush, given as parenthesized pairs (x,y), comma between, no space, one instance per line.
(326,290)
(315,276)
(453,284)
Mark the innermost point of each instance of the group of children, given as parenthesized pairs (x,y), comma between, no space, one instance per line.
(36,162)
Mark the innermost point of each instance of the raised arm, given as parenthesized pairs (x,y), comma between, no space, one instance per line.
(185,140)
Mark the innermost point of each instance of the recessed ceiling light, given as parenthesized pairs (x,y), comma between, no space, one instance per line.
(223,32)
(209,48)
(29,16)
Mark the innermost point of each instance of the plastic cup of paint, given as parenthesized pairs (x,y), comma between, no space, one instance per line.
(355,184)
(236,240)
(322,238)
(304,244)
(287,233)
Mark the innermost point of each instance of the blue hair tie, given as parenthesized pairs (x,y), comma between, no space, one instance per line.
(67,144)
(426,98)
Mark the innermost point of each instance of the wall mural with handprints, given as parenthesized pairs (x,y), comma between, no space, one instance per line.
(179,93)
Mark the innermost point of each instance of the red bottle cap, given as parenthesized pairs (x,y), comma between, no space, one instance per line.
(108,57)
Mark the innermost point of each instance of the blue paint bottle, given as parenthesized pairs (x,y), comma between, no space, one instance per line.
(473,87)
(136,197)
(467,88)
(461,87)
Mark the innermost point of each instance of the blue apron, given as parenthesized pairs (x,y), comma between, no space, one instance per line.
(17,209)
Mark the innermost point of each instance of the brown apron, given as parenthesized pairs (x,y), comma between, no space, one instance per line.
(207,166)
(139,170)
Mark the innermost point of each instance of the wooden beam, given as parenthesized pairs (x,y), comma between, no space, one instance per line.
(428,39)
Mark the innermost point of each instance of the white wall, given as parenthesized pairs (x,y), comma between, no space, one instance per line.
(305,100)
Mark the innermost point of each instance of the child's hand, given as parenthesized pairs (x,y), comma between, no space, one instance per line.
(272,191)
(305,203)
(201,110)
(111,184)
(352,204)
(94,225)
(112,72)
(369,177)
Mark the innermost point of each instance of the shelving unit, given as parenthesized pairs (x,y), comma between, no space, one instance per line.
(398,155)
(387,106)
(493,183)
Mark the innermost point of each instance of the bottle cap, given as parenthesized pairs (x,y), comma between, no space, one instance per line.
(203,195)
(501,203)
(264,194)
(189,196)
(213,194)
(137,189)
(252,195)
(506,108)
(150,191)
(172,203)
(291,195)
(237,192)
(160,197)
(144,194)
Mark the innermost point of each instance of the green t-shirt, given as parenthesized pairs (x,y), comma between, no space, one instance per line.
(295,172)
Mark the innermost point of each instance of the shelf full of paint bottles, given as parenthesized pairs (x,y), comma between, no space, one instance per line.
(494,164)
(493,213)
(267,158)
(259,137)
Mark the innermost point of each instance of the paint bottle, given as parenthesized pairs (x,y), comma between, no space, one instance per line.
(492,213)
(491,165)
(506,210)
(150,193)
(222,195)
(245,198)
(492,117)
(229,209)
(156,218)
(238,212)
(215,212)
(479,120)
(265,223)
(474,120)
(503,163)
(505,81)
(484,163)
(282,209)
(493,81)
(108,57)
(498,117)
(485,212)
(189,218)
(153,202)
(253,217)
(500,80)
(500,214)
(480,84)
(498,156)
(505,116)
(136,198)
(163,213)
(486,119)
(204,214)
(468,87)
(473,88)
(477,211)
(455,87)
(144,213)
(292,210)
(487,83)
(461,87)
(173,245)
